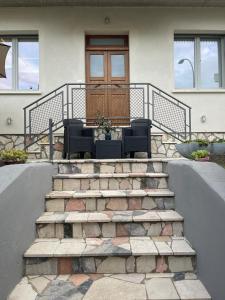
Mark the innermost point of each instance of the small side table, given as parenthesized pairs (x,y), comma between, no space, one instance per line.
(106,149)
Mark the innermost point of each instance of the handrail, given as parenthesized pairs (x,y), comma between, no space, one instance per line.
(167,113)
(25,107)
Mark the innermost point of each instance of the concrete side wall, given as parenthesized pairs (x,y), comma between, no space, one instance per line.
(151,33)
(22,191)
(200,198)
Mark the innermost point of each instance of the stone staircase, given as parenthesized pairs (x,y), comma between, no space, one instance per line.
(112,225)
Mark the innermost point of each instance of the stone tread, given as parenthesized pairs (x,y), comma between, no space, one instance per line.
(119,160)
(115,286)
(110,216)
(124,246)
(110,175)
(109,193)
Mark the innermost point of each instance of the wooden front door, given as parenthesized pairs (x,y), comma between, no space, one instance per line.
(108,73)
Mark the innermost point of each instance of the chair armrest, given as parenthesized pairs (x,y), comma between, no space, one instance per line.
(88,132)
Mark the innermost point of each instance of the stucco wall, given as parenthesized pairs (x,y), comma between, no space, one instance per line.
(151,30)
(200,197)
(22,191)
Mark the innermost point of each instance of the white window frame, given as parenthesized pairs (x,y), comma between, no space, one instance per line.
(15,61)
(197,58)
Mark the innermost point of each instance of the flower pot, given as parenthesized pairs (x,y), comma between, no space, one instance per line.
(203,159)
(218,148)
(108,136)
(185,149)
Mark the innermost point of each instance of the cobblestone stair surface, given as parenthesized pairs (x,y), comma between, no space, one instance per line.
(110,231)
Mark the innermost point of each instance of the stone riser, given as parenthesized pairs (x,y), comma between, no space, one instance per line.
(112,167)
(109,230)
(121,183)
(115,203)
(112,265)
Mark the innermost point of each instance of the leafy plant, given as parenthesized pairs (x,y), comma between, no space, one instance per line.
(201,142)
(220,141)
(196,155)
(13,155)
(104,123)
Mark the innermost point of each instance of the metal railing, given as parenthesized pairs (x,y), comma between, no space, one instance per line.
(46,115)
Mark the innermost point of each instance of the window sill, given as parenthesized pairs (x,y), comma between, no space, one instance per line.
(6,92)
(196,91)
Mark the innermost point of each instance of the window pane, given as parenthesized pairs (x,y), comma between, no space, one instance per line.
(97,65)
(118,65)
(183,62)
(106,42)
(210,74)
(6,83)
(28,65)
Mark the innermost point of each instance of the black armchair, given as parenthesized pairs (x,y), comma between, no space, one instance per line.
(77,139)
(137,138)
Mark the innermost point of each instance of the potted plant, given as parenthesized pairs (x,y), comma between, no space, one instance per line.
(189,146)
(200,155)
(218,147)
(13,156)
(106,126)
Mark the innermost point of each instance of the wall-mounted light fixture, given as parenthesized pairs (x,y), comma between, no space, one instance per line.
(107,20)
(9,121)
(203,118)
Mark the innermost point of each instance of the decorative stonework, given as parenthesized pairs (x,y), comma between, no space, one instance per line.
(163,145)
(110,182)
(109,230)
(96,286)
(110,264)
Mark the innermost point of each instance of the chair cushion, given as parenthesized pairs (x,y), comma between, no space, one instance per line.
(135,144)
(81,144)
(140,130)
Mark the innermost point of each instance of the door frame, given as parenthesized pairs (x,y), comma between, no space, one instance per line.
(107,49)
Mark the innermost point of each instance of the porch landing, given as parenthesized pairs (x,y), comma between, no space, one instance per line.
(111,287)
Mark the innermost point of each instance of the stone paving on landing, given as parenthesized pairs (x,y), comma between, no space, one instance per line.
(167,286)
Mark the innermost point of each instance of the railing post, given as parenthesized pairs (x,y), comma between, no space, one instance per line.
(51,150)
(189,123)
(148,106)
(68,102)
(25,129)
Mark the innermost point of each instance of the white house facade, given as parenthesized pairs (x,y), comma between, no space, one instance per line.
(180,50)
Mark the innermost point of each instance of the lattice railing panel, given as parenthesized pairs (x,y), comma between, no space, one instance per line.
(51,109)
(168,114)
(137,108)
(79,103)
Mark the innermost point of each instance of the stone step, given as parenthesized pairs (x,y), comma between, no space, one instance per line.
(106,255)
(105,181)
(109,200)
(109,224)
(86,166)
(142,286)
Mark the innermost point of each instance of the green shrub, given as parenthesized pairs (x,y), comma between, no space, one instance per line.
(14,155)
(199,154)
(220,141)
(201,142)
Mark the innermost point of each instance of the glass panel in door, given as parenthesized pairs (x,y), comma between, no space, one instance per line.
(117,65)
(97,65)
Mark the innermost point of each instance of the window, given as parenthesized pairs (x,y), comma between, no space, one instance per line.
(22,64)
(198,62)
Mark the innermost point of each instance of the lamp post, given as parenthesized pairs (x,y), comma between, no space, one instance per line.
(192,68)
